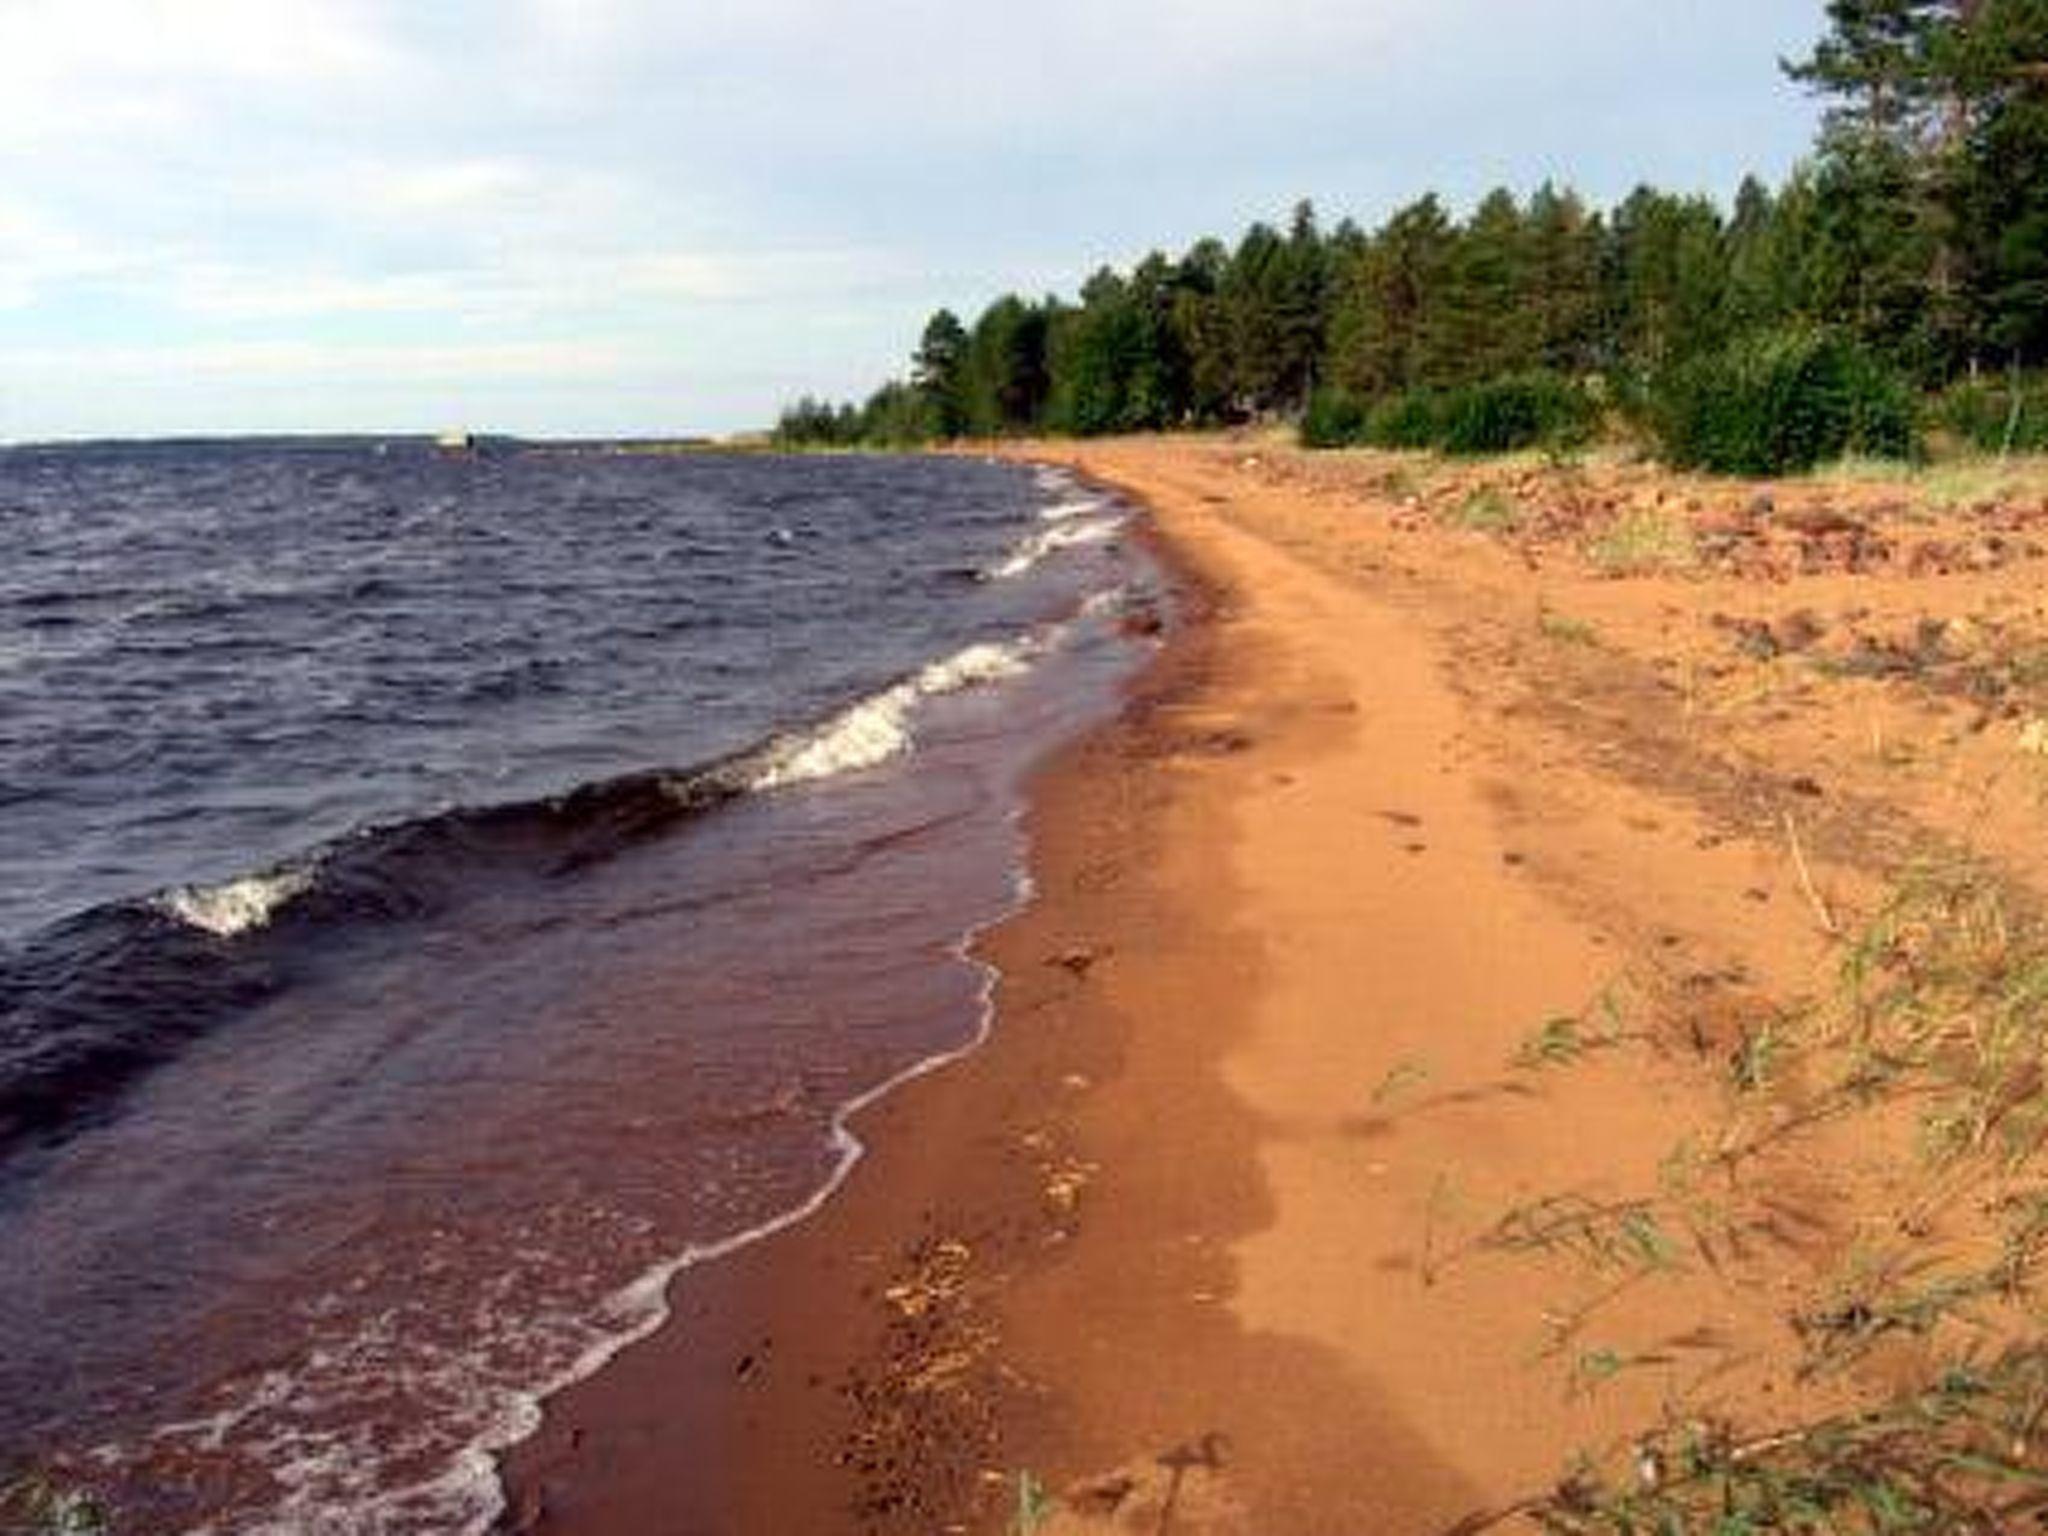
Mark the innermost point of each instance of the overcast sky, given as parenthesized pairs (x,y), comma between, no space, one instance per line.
(600,216)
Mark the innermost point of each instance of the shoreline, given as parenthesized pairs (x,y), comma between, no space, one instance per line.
(866,1288)
(1422,892)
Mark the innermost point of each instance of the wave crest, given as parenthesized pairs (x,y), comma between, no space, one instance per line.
(878,727)
(1061,535)
(234,906)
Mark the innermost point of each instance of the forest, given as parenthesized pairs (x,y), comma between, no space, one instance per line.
(1892,291)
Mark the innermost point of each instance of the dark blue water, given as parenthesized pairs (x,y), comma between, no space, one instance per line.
(440,899)
(211,659)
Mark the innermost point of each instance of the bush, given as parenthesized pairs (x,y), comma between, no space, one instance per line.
(2011,413)
(1408,420)
(1779,401)
(1527,410)
(1335,419)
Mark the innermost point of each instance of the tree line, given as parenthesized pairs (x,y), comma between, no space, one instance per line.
(1909,252)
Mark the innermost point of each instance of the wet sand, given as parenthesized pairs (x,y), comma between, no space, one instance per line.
(1391,907)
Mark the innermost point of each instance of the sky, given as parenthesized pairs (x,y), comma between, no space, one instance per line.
(600,217)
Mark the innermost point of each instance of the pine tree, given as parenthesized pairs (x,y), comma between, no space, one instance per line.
(1006,377)
(1384,299)
(939,372)
(1998,65)
(1561,281)
(1481,328)
(1200,324)
(1257,348)
(1664,279)
(1876,63)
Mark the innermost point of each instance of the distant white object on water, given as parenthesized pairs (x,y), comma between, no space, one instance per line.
(455,442)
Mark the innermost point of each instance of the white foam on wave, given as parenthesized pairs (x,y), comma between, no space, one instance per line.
(1066,534)
(234,906)
(1072,506)
(878,727)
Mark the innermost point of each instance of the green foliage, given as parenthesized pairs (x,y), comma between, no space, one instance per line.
(1915,241)
(1644,539)
(1411,419)
(1566,630)
(1782,400)
(939,375)
(1487,510)
(1035,1506)
(1527,410)
(2007,416)
(902,415)
(1956,1456)
(1335,418)
(1006,377)
(812,423)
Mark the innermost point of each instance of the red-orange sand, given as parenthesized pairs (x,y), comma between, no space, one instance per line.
(1200,1242)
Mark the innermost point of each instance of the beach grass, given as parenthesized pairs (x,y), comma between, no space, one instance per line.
(1937,1012)
(1643,541)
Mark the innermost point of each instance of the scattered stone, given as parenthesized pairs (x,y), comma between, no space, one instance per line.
(1103,1496)
(1142,623)
(1820,521)
(1797,631)
(1077,961)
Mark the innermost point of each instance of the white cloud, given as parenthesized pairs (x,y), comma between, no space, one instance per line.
(73,68)
(753,188)
(540,289)
(39,248)
(271,362)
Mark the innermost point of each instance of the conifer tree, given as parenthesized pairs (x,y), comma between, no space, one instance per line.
(1560,286)
(1201,329)
(939,372)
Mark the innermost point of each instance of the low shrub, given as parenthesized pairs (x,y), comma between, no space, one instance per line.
(1528,410)
(1335,418)
(1488,511)
(2008,415)
(1643,540)
(1411,419)
(1780,401)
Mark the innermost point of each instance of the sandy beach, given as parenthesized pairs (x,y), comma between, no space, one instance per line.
(1376,1118)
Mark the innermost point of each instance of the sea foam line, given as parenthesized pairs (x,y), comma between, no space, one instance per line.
(1072,506)
(468,1495)
(475,1481)
(1064,534)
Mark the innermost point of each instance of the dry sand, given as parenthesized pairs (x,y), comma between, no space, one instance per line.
(1390,959)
